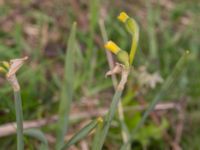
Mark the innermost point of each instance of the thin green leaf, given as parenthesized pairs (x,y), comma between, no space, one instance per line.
(91,54)
(67,90)
(109,118)
(97,137)
(153,46)
(81,134)
(94,17)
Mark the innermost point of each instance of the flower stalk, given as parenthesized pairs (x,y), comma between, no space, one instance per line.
(113,106)
(10,69)
(125,60)
(19,118)
(124,130)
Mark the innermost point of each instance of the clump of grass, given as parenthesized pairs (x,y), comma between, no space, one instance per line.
(102,126)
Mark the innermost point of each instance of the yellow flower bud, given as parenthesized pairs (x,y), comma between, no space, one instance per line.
(112,47)
(100,120)
(123,17)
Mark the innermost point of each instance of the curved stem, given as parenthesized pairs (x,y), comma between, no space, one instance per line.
(135,39)
(134,31)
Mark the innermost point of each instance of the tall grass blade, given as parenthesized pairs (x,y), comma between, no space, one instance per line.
(109,118)
(94,17)
(81,134)
(91,54)
(153,47)
(67,90)
(97,136)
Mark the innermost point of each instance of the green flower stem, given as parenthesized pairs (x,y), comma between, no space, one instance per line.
(124,131)
(135,39)
(113,107)
(12,79)
(133,29)
(19,118)
(12,68)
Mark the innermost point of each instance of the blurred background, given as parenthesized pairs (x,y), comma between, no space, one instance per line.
(40,29)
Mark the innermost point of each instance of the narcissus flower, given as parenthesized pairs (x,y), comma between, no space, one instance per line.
(122,55)
(123,17)
(100,120)
(132,27)
(111,46)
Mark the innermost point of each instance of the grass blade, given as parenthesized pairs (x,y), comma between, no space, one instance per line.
(153,47)
(36,133)
(108,119)
(166,85)
(81,134)
(91,54)
(97,137)
(67,90)
(93,16)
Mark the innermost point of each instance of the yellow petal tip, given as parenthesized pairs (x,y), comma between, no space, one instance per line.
(100,120)
(111,46)
(123,17)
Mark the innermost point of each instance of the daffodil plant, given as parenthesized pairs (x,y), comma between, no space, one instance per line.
(10,69)
(125,61)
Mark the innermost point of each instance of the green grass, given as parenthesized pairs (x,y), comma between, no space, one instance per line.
(66,91)
(166,31)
